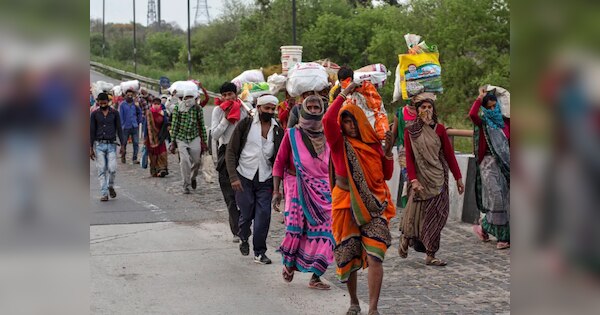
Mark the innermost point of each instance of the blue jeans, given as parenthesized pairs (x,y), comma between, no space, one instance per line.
(255,205)
(106,162)
(133,132)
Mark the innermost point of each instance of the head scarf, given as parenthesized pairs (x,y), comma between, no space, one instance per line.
(365,130)
(311,126)
(369,194)
(152,109)
(267,99)
(425,97)
(492,117)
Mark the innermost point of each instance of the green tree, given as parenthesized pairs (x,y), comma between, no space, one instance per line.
(96,44)
(122,49)
(163,49)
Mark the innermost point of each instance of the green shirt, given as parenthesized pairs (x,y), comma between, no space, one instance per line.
(187,126)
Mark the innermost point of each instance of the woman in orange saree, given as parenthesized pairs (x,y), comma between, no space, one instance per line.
(361,201)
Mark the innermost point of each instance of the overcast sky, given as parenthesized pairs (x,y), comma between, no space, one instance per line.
(121,11)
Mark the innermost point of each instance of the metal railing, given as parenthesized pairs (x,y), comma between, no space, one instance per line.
(458,133)
(151,84)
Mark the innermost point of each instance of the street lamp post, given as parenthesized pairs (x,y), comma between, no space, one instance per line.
(189,42)
(294,22)
(103,33)
(134,46)
(159,14)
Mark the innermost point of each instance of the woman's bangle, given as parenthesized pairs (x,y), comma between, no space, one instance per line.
(276,192)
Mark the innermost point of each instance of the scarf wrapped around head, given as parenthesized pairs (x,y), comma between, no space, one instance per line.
(311,126)
(369,194)
(154,110)
(421,98)
(493,117)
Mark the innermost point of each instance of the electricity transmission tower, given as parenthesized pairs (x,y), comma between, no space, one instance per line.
(202,16)
(151,13)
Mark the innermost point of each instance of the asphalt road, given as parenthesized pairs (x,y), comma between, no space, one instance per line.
(96,76)
(143,199)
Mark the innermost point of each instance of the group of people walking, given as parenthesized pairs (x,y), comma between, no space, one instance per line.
(330,167)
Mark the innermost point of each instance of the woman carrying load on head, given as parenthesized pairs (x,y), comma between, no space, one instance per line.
(362,205)
(304,156)
(492,151)
(429,155)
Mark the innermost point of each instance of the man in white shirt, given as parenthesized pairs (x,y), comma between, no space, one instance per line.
(249,157)
(226,115)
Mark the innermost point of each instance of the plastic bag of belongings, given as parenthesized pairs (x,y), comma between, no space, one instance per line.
(418,71)
(304,77)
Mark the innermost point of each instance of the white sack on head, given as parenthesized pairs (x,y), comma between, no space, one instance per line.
(376,73)
(305,77)
(117,90)
(276,83)
(104,86)
(248,76)
(130,85)
(181,86)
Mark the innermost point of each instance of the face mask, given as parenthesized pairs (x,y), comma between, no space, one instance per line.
(266,117)
(129,99)
(190,102)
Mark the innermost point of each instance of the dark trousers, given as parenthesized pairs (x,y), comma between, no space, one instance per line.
(229,196)
(133,133)
(255,204)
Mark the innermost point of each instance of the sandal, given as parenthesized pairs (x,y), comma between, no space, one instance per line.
(502,245)
(436,262)
(375,312)
(288,275)
(403,248)
(353,310)
(318,285)
(483,236)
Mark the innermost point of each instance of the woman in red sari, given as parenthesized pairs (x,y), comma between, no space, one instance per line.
(429,156)
(156,132)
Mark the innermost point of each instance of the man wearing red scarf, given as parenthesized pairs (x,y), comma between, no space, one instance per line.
(226,115)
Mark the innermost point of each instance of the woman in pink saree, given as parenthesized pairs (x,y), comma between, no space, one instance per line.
(304,160)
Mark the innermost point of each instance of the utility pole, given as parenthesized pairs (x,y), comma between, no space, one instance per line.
(294,22)
(103,32)
(158,14)
(189,41)
(134,46)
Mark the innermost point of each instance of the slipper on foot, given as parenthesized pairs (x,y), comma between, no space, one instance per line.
(436,262)
(319,285)
(484,237)
(288,275)
(353,310)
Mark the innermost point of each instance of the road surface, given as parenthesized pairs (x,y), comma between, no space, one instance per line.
(156,251)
